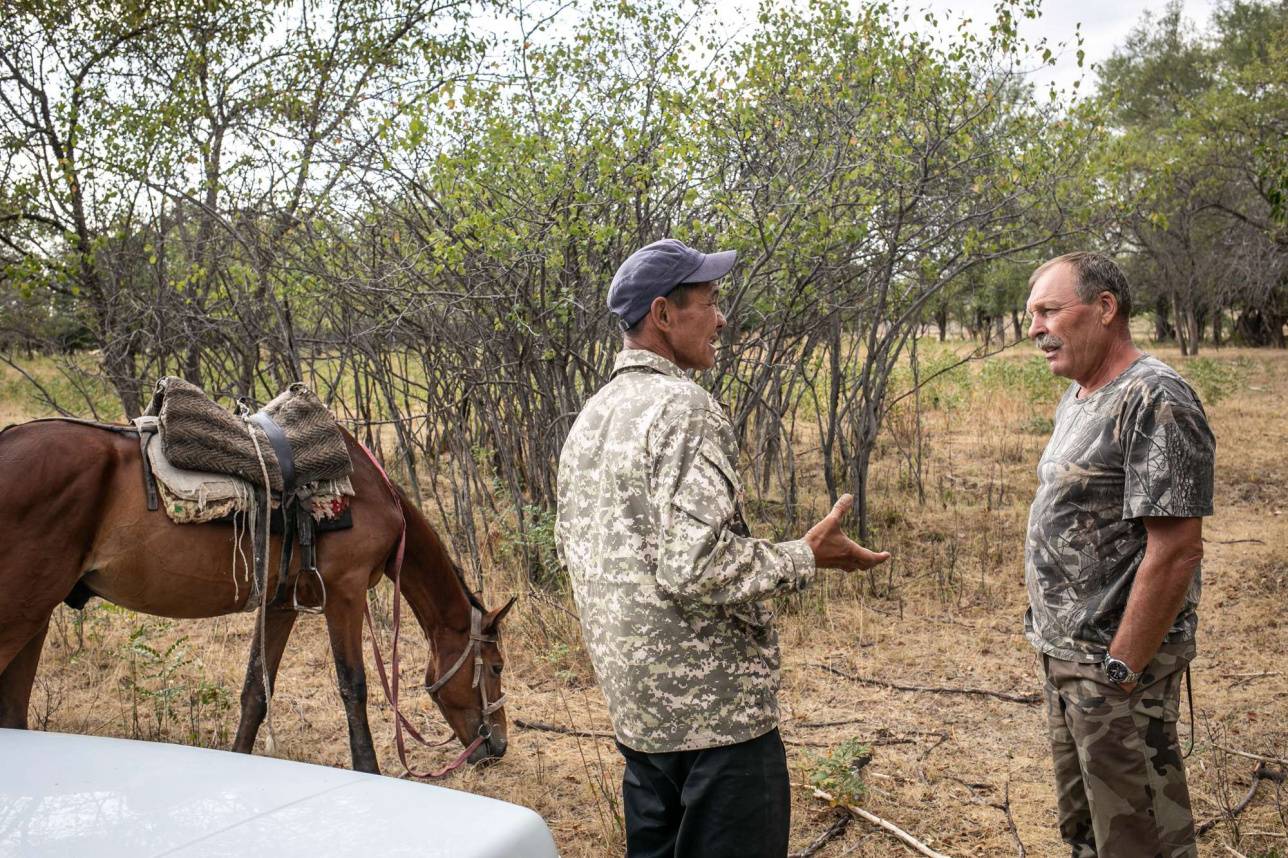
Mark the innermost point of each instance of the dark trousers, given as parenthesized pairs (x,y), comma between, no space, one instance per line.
(732,801)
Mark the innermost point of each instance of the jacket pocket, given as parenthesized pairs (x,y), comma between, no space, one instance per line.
(710,488)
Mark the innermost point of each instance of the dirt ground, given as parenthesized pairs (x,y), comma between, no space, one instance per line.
(968,774)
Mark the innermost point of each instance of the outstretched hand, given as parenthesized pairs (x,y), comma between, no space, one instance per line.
(833,549)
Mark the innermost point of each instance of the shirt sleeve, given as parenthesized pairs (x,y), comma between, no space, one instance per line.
(1168,454)
(700,555)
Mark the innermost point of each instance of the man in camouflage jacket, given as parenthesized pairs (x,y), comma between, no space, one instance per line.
(1115,539)
(672,590)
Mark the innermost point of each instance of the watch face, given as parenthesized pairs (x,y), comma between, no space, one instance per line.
(1116,670)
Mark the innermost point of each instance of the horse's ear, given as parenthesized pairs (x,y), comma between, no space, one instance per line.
(494,618)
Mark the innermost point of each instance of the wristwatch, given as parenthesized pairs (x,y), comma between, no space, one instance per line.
(1118,672)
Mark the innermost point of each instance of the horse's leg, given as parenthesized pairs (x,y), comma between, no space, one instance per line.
(17,678)
(344,625)
(254,703)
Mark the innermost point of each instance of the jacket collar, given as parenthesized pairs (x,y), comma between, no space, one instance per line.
(642,359)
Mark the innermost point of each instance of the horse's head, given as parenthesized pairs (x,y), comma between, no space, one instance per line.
(464,679)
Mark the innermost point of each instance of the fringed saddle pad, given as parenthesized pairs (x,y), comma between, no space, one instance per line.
(194,497)
(198,435)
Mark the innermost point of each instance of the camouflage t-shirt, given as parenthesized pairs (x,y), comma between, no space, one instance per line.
(1138,447)
(671,591)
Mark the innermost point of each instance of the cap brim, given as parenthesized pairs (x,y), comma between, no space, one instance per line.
(713,267)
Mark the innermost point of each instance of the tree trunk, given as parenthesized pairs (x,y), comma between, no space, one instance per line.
(1163,330)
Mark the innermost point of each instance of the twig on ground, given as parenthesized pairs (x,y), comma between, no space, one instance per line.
(1259,774)
(972,788)
(1029,699)
(883,733)
(1236,541)
(1279,761)
(836,830)
(1005,807)
(1245,678)
(558,728)
(908,840)
(923,618)
(1235,852)
(921,760)
(943,737)
(840,722)
(806,743)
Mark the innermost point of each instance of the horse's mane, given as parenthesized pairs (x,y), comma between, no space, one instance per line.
(469,594)
(410,507)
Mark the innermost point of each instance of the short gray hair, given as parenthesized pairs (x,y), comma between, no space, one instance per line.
(1094,273)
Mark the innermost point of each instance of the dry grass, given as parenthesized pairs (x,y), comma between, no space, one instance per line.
(946,613)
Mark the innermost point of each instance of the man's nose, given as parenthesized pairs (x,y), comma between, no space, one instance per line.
(720,320)
(1036,328)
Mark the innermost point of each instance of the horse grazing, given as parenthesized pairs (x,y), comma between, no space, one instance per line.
(75,518)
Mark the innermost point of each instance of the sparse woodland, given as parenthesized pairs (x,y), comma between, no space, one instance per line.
(417,207)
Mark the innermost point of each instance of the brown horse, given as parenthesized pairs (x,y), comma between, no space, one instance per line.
(74,516)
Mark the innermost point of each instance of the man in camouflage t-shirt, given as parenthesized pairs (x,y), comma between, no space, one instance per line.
(672,591)
(1115,539)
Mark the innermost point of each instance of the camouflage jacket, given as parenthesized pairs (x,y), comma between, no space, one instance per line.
(670,588)
(1138,447)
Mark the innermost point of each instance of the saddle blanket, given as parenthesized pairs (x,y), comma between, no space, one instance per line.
(195,497)
(199,435)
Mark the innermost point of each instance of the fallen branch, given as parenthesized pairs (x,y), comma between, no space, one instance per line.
(1029,699)
(836,830)
(565,731)
(1259,774)
(1278,761)
(908,840)
(1245,678)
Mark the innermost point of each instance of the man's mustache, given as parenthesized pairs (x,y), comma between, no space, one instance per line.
(1048,341)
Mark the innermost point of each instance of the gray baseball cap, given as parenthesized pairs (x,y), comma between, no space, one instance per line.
(653,271)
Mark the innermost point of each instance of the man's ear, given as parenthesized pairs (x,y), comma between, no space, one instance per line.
(1108,307)
(660,311)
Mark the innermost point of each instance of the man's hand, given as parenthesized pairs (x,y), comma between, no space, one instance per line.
(833,549)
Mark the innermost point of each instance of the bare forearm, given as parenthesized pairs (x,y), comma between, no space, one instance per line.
(1157,596)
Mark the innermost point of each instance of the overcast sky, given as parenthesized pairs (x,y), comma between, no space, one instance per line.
(1105,25)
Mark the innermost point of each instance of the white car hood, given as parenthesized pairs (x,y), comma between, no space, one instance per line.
(83,795)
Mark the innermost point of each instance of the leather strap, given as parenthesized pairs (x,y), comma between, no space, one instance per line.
(149,481)
(281,449)
(289,523)
(390,680)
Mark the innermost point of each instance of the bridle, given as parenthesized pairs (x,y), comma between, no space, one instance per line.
(475,647)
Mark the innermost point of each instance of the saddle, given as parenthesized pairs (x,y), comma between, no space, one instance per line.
(287,462)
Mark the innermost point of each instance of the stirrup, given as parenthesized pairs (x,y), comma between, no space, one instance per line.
(295,593)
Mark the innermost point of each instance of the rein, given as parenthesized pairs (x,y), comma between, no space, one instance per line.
(475,646)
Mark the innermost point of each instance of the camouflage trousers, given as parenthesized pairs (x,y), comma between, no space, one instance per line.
(1120,781)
